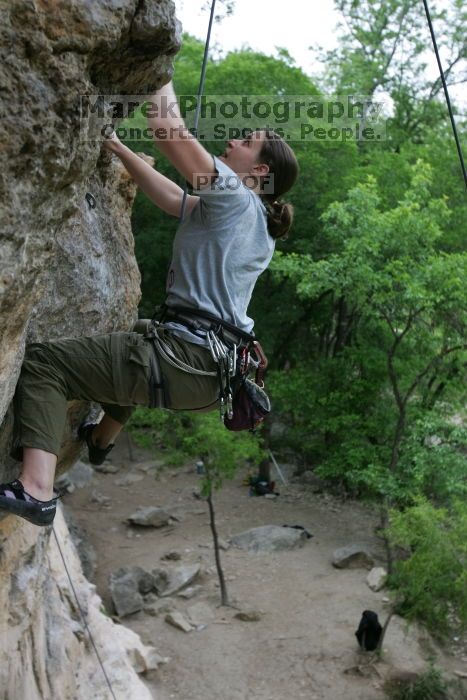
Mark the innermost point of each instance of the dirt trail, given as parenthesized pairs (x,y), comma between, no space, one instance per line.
(305,641)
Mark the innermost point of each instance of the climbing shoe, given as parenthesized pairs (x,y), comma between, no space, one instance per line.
(96,454)
(14,499)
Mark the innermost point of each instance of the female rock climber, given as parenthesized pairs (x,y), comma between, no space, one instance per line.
(224,242)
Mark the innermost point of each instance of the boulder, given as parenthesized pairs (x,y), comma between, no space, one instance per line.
(377,578)
(352,556)
(269,538)
(189,592)
(178,620)
(150,516)
(155,606)
(171,581)
(78,476)
(127,587)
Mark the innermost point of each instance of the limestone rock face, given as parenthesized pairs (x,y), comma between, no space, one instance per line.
(67,265)
(44,648)
(67,269)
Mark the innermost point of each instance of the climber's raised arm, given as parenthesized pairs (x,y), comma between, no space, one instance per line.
(174,140)
(165,193)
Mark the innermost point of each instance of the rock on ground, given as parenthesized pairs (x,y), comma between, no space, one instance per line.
(78,476)
(377,578)
(352,556)
(150,516)
(178,620)
(269,538)
(249,615)
(173,580)
(127,587)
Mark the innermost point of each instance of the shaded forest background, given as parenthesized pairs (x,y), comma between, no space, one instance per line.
(363,311)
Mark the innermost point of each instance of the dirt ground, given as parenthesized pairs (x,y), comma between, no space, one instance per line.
(304,645)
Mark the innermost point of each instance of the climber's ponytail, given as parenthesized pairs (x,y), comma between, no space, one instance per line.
(280,218)
(280,158)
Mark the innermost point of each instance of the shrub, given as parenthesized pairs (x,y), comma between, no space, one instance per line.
(432,581)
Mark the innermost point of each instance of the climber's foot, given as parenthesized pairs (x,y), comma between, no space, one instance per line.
(14,499)
(96,454)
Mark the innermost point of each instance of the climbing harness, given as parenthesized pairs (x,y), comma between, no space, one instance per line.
(243,404)
(446,93)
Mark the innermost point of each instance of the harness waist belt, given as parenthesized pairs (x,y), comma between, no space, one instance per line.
(203,320)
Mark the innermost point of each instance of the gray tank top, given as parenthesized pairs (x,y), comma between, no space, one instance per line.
(219,251)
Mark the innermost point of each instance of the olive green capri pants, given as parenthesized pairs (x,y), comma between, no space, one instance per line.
(112,370)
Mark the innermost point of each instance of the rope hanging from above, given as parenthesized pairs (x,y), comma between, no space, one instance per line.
(446,93)
(200,94)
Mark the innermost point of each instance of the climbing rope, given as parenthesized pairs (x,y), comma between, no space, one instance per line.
(83,619)
(200,94)
(446,93)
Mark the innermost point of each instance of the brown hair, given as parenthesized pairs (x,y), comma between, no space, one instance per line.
(283,165)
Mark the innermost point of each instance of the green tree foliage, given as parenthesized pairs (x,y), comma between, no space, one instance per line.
(383,50)
(432,582)
(181,436)
(399,336)
(430,685)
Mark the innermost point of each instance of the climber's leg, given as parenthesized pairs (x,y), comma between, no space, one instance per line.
(100,437)
(107,431)
(37,473)
(110,369)
(40,408)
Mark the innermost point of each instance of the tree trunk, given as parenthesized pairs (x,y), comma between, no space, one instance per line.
(397,439)
(220,573)
(383,633)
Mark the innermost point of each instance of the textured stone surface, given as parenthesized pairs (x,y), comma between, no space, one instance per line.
(269,538)
(44,649)
(67,269)
(249,615)
(125,593)
(78,476)
(352,556)
(150,516)
(173,580)
(178,620)
(377,578)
